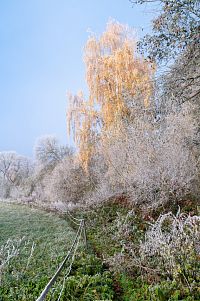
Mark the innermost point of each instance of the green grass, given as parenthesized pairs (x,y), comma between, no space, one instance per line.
(52,237)
(90,279)
(25,276)
(42,227)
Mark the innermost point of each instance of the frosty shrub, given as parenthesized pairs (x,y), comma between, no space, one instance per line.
(48,154)
(67,182)
(155,161)
(9,250)
(165,249)
(172,247)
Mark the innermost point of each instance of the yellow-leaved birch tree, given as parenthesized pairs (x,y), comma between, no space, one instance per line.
(113,70)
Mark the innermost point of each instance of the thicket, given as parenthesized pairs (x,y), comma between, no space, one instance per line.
(153,256)
(148,149)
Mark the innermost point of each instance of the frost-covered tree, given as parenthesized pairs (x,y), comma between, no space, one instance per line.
(112,69)
(48,151)
(154,162)
(14,170)
(48,154)
(176,28)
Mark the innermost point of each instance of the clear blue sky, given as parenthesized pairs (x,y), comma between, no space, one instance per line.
(41,43)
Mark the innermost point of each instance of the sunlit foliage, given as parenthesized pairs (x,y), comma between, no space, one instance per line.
(112,70)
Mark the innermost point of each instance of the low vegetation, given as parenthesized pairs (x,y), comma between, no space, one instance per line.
(33,245)
(152,256)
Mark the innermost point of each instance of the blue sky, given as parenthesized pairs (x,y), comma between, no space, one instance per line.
(41,48)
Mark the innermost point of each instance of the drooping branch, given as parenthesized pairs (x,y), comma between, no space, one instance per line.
(112,70)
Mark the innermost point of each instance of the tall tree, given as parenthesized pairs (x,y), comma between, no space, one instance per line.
(48,152)
(175,29)
(14,170)
(113,70)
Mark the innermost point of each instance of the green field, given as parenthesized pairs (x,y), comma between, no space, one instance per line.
(42,240)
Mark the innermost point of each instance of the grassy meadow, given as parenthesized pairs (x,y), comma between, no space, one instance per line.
(40,239)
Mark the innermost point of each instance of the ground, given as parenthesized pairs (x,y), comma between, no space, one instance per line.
(42,240)
(48,235)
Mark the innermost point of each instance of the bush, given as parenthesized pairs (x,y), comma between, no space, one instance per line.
(67,183)
(172,247)
(166,252)
(154,162)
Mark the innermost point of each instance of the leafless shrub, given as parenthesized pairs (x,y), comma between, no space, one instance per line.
(168,249)
(9,250)
(67,183)
(12,249)
(172,245)
(156,161)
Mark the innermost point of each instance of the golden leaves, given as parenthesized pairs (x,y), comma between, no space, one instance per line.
(112,69)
